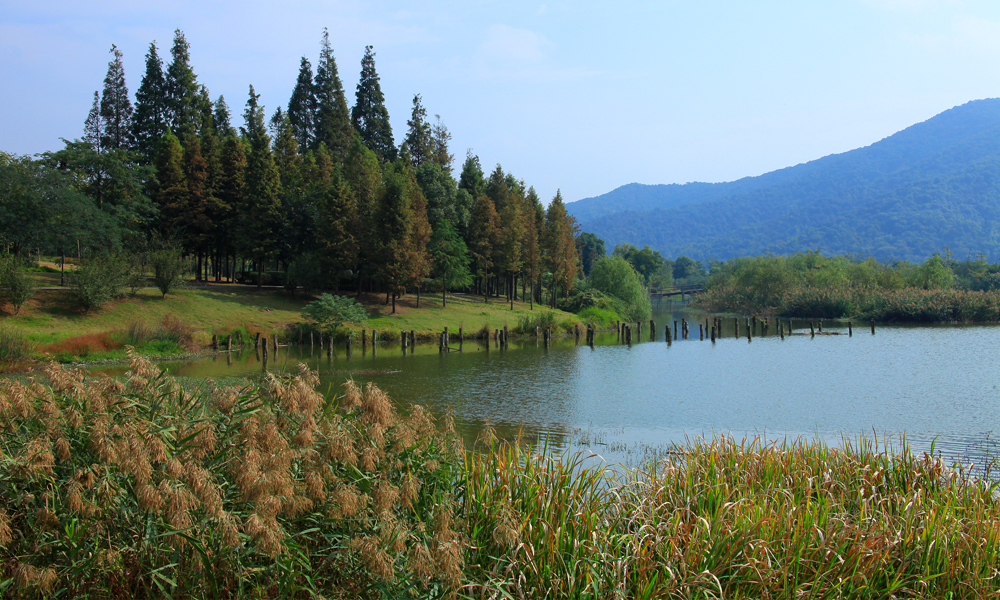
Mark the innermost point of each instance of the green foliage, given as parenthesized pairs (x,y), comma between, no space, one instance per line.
(601,317)
(330,312)
(102,279)
(16,286)
(591,248)
(933,274)
(369,114)
(614,276)
(169,268)
(543,319)
(646,262)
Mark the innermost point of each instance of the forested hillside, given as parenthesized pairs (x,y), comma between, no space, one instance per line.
(933,185)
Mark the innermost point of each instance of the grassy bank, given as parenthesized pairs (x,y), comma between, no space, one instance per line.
(184,322)
(132,489)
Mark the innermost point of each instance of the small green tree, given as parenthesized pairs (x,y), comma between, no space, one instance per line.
(100,280)
(16,286)
(169,268)
(934,274)
(614,275)
(329,313)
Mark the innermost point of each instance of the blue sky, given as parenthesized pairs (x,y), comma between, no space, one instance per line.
(582,96)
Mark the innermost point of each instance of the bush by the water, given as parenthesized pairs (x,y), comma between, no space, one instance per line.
(615,277)
(813,286)
(13,346)
(169,268)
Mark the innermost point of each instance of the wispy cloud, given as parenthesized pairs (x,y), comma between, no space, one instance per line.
(506,43)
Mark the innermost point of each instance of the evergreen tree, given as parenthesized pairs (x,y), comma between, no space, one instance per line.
(333,121)
(93,127)
(440,189)
(484,232)
(260,220)
(231,194)
(534,223)
(361,170)
(561,230)
(451,259)
(440,139)
(419,137)
(150,118)
(591,249)
(302,106)
(116,107)
(171,189)
(181,87)
(471,179)
(221,117)
(286,153)
(196,221)
(403,231)
(337,245)
(369,115)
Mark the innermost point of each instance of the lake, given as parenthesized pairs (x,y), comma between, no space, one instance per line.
(935,384)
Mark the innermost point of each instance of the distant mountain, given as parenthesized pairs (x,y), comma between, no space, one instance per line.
(933,185)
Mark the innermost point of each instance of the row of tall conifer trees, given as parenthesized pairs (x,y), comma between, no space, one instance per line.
(318,193)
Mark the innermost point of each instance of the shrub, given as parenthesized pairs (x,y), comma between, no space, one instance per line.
(614,276)
(16,286)
(169,268)
(328,313)
(102,279)
(526,324)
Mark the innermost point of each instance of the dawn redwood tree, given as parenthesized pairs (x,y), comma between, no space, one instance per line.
(561,230)
(149,120)
(196,223)
(260,219)
(182,88)
(440,140)
(221,117)
(534,226)
(419,136)
(333,120)
(484,232)
(369,115)
(361,170)
(171,189)
(451,259)
(231,196)
(93,127)
(116,107)
(302,106)
(337,247)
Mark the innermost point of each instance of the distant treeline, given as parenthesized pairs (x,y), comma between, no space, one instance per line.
(810,285)
(318,196)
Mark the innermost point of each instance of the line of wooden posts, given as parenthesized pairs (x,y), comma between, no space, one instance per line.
(711,329)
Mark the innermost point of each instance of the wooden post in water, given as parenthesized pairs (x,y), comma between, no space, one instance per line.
(666,334)
(256,341)
(505,332)
(812,329)
(348,344)
(850,330)
(736,326)
(413,341)
(364,341)
(461,337)
(229,343)
(215,342)
(713,334)
(638,329)
(749,331)
(781,330)
(329,348)
(374,342)
(873,326)
(447,340)
(275,338)
(402,341)
(441,342)
(264,348)
(821,325)
(300,337)
(628,335)
(701,333)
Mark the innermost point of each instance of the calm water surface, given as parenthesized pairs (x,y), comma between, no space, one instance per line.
(932,383)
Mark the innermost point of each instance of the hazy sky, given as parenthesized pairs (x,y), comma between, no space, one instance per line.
(582,96)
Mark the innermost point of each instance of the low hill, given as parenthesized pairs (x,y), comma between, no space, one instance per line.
(933,185)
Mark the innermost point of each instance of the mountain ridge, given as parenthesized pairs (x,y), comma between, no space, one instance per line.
(906,196)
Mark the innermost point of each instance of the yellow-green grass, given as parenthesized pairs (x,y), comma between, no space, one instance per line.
(51,322)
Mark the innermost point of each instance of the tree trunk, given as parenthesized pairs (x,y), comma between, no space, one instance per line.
(418,296)
(393,307)
(62,267)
